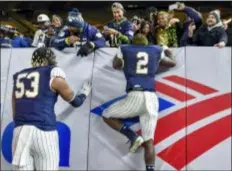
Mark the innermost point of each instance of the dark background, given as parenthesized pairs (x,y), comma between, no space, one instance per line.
(58,5)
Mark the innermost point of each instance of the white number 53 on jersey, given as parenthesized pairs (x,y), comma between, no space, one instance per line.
(141,67)
(34,78)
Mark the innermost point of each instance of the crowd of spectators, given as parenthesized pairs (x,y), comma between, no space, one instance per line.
(160,27)
(10,37)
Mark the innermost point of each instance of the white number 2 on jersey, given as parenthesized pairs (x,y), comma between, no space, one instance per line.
(34,77)
(141,67)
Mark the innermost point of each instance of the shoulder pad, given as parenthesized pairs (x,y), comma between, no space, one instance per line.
(58,72)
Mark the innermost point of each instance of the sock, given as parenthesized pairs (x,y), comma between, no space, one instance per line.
(131,135)
(150,167)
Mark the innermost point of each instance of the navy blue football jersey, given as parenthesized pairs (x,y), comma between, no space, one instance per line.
(35,101)
(140,65)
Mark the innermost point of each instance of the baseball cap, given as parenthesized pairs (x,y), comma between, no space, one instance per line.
(42,18)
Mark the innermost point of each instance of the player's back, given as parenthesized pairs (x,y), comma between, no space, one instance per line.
(140,66)
(34,100)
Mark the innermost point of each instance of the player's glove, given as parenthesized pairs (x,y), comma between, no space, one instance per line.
(86,49)
(86,88)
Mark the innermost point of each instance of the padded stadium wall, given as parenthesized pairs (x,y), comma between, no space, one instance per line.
(194,126)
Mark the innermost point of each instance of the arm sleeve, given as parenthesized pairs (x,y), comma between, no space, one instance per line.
(96,37)
(127,34)
(184,39)
(78,100)
(224,36)
(35,39)
(195,39)
(193,14)
(60,40)
(56,72)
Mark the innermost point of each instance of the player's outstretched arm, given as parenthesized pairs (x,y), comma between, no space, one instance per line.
(61,87)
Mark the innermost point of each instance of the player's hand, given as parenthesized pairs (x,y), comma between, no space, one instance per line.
(73,39)
(220,45)
(86,49)
(86,88)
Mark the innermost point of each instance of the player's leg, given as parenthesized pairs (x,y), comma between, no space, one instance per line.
(46,150)
(125,108)
(119,126)
(28,166)
(21,153)
(148,128)
(148,123)
(134,138)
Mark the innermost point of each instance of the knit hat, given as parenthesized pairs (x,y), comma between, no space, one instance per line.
(75,19)
(216,14)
